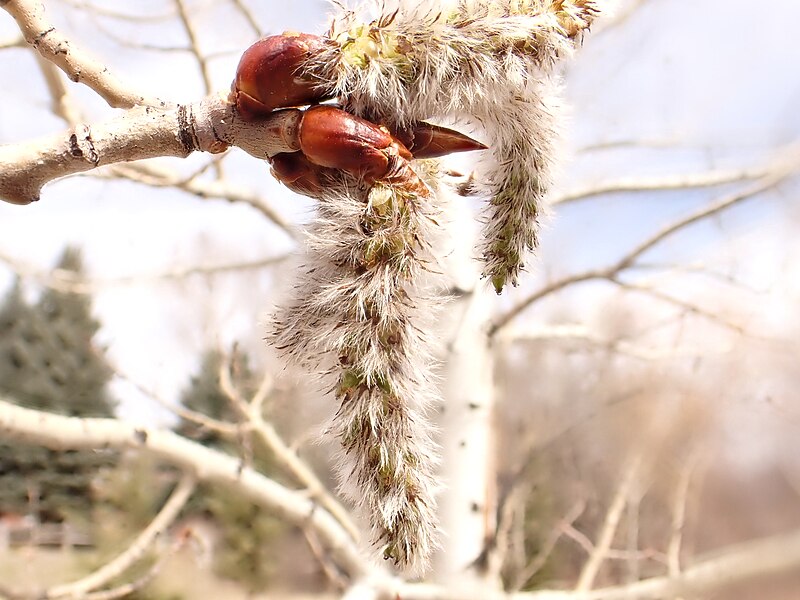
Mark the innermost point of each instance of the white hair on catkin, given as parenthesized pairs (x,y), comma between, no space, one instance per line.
(492,61)
(361,299)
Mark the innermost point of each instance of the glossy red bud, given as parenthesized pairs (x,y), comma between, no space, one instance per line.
(331,137)
(269,77)
(425,140)
(297,173)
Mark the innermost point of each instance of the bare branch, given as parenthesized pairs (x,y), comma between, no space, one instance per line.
(148,174)
(606,536)
(210,125)
(126,589)
(679,513)
(733,564)
(285,455)
(202,61)
(628,261)
(549,544)
(687,307)
(328,566)
(62,104)
(223,428)
(660,184)
(67,281)
(162,521)
(104,11)
(583,334)
(248,16)
(58,432)
(12,42)
(78,64)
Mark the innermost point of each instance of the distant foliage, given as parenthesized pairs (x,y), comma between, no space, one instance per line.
(49,362)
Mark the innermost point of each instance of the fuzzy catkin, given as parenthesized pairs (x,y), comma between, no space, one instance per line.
(491,61)
(359,302)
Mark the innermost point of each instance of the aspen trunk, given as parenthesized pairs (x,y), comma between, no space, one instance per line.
(467,502)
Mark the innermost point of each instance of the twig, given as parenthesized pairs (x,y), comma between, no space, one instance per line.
(165,517)
(150,175)
(128,588)
(633,560)
(679,513)
(578,537)
(62,104)
(12,42)
(67,281)
(286,456)
(78,64)
(248,16)
(104,11)
(659,184)
(609,528)
(549,544)
(329,568)
(584,334)
(223,428)
(188,27)
(685,306)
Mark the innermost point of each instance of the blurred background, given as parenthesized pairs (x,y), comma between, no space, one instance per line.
(645,369)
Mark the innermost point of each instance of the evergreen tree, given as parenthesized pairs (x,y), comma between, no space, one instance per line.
(48,362)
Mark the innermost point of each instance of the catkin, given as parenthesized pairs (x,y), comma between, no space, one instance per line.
(489,61)
(361,305)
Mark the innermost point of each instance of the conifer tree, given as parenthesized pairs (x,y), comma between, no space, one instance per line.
(49,362)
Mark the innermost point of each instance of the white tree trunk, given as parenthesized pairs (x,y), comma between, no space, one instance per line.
(467,505)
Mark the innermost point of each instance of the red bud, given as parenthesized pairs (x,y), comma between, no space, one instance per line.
(297,173)
(269,74)
(333,138)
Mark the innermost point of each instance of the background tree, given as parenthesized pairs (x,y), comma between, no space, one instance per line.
(49,361)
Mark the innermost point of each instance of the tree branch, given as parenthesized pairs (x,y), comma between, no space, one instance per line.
(149,174)
(58,432)
(660,184)
(67,281)
(162,521)
(609,529)
(78,64)
(285,455)
(730,565)
(210,125)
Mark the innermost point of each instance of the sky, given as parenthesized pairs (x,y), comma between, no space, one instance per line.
(681,87)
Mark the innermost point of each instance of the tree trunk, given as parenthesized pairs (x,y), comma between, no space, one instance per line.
(467,502)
